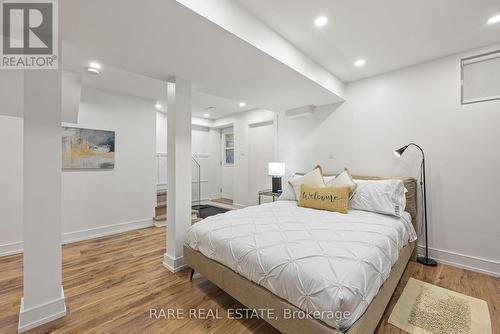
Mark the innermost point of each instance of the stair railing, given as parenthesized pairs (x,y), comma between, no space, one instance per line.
(199,181)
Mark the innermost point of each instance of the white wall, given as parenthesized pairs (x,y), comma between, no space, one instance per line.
(12,93)
(206,146)
(161,132)
(161,151)
(94,202)
(206,150)
(420,104)
(241,122)
(11,183)
(126,194)
(260,153)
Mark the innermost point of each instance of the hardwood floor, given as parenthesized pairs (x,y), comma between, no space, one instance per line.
(112,283)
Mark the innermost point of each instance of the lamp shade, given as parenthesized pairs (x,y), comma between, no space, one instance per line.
(399,152)
(276,169)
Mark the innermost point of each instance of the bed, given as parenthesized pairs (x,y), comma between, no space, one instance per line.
(319,271)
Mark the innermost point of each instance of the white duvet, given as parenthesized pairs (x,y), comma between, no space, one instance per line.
(317,260)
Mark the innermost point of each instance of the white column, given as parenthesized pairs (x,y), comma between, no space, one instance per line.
(179,170)
(43,299)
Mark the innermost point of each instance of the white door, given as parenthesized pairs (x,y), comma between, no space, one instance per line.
(227,162)
(260,152)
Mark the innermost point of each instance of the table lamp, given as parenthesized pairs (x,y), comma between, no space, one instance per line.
(276,170)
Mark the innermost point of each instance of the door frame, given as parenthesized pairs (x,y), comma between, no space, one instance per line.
(223,132)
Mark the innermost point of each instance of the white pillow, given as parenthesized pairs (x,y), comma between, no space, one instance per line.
(314,179)
(328,179)
(288,193)
(344,179)
(381,196)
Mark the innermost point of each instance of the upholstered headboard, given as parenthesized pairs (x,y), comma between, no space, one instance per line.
(411,196)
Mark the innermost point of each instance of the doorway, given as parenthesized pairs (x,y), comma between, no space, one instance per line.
(227,165)
(260,153)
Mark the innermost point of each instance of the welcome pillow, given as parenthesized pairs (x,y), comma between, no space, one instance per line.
(325,198)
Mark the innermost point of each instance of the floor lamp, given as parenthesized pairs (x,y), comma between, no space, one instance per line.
(399,152)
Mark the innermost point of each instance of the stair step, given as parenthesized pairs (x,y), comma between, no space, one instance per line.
(164,216)
(161,197)
(164,203)
(160,210)
(160,218)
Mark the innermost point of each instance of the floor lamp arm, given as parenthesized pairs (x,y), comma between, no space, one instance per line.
(424,260)
(425,207)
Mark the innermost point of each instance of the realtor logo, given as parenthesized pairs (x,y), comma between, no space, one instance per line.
(29,34)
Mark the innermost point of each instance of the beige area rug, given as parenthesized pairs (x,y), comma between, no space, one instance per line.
(425,308)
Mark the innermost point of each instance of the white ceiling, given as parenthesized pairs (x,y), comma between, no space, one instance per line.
(219,106)
(389,34)
(165,39)
(161,38)
(124,82)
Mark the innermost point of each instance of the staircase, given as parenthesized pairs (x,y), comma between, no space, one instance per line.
(160,218)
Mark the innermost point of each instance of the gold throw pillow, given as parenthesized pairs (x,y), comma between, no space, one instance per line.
(325,198)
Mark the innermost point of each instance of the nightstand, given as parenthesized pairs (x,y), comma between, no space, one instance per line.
(268,193)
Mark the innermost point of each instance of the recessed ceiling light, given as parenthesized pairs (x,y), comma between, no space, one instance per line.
(207,115)
(242,104)
(321,21)
(92,70)
(359,62)
(158,106)
(494,19)
(95,65)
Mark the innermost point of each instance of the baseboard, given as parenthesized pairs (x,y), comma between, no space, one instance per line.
(214,196)
(173,264)
(102,231)
(480,265)
(91,233)
(221,205)
(161,187)
(11,249)
(41,314)
(239,206)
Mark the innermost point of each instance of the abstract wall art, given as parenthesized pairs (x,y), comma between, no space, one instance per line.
(87,148)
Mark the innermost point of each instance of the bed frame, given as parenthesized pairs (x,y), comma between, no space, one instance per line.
(256,297)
